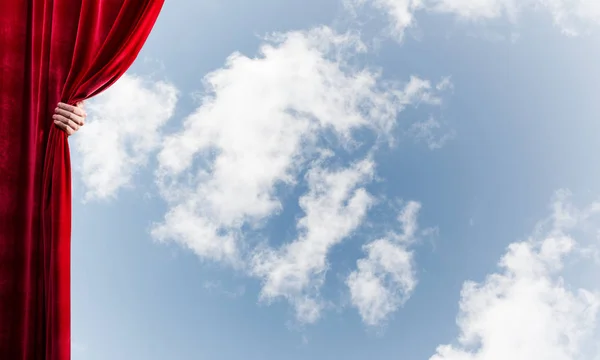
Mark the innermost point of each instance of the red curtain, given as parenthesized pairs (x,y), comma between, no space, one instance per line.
(50,51)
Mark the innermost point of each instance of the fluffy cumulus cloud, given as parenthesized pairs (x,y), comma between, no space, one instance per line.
(334,206)
(123,129)
(385,277)
(531,309)
(258,125)
(573,17)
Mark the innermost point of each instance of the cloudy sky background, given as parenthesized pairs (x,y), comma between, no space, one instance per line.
(389,179)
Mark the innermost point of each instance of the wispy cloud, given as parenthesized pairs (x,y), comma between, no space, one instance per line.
(478,9)
(572,17)
(432,133)
(400,12)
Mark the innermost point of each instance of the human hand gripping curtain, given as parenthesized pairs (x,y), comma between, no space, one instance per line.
(69,118)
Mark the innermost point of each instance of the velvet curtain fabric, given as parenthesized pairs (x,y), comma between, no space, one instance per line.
(50,51)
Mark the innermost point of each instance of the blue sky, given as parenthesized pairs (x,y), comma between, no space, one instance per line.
(388,179)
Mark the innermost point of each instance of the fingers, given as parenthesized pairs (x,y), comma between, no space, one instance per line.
(61,125)
(66,122)
(73,113)
(69,118)
(78,110)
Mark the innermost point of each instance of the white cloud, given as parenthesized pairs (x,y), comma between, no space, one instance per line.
(385,278)
(477,9)
(334,206)
(530,309)
(428,131)
(400,12)
(445,84)
(122,129)
(258,126)
(573,17)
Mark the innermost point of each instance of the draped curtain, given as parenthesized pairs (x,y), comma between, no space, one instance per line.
(50,51)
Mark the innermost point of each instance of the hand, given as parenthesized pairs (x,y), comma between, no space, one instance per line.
(69,118)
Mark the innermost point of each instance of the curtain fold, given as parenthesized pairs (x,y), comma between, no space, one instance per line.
(50,51)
